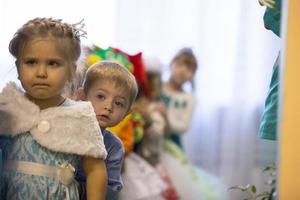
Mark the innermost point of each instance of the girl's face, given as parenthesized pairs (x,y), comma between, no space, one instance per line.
(43,72)
(181,73)
(110,103)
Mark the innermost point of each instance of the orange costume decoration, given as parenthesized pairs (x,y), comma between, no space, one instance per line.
(124,130)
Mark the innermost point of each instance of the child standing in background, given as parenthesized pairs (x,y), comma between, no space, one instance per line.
(180,104)
(155,111)
(43,135)
(111,89)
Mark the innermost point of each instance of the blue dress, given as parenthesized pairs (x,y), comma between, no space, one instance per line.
(19,186)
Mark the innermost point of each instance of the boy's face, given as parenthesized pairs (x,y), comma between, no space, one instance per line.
(111,103)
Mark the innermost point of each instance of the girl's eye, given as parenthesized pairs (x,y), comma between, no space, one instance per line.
(54,63)
(30,62)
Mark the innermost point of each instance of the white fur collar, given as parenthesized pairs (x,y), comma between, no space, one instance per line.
(70,129)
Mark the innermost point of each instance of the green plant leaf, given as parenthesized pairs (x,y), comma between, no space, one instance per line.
(267,168)
(239,187)
(250,191)
(271,167)
(264,195)
(253,189)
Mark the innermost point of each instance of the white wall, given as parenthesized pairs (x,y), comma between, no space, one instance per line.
(99,16)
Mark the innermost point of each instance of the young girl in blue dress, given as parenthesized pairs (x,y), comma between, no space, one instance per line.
(43,135)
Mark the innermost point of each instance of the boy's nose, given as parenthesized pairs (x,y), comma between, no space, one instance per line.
(108,106)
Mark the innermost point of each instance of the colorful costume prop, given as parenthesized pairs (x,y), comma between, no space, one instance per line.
(139,71)
(125,131)
(99,54)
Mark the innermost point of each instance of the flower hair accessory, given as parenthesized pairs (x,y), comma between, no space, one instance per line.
(99,54)
(134,63)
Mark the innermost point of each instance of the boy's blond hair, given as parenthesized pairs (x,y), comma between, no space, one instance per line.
(114,73)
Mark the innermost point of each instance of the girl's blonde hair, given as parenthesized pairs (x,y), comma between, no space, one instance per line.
(66,35)
(114,73)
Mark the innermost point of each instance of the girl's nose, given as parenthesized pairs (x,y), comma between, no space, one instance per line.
(42,71)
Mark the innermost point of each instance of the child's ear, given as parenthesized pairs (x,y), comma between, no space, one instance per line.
(80,94)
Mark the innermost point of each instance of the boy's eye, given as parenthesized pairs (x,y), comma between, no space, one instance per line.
(121,104)
(100,96)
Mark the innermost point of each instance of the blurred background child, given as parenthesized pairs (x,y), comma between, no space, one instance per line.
(180,104)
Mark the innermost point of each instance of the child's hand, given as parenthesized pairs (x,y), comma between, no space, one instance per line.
(159,106)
